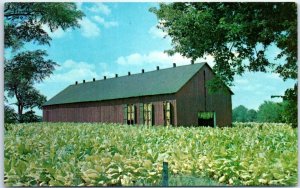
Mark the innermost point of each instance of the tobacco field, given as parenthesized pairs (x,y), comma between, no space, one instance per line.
(91,154)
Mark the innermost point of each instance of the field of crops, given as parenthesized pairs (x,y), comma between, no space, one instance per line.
(65,154)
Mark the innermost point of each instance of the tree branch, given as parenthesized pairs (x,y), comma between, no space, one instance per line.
(18,14)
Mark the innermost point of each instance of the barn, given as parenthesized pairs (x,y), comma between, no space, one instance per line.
(173,96)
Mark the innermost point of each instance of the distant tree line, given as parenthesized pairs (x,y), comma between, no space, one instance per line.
(272,112)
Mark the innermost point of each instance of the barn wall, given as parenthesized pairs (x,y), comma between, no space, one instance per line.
(190,101)
(107,111)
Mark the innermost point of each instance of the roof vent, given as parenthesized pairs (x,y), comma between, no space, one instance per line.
(76,83)
(157,67)
(116,75)
(128,73)
(104,77)
(83,81)
(94,79)
(174,64)
(143,70)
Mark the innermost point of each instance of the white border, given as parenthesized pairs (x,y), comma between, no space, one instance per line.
(2,61)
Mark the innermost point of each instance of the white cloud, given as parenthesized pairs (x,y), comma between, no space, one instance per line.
(58,33)
(71,71)
(106,24)
(89,29)
(273,76)
(156,33)
(209,59)
(157,58)
(100,8)
(154,57)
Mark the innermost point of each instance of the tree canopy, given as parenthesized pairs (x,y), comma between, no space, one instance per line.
(270,112)
(238,36)
(232,33)
(239,114)
(243,114)
(23,22)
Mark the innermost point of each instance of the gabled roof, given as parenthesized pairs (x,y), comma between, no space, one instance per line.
(164,81)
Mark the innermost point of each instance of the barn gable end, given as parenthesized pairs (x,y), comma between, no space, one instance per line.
(193,98)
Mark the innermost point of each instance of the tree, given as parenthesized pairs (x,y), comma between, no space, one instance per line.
(290,106)
(236,34)
(251,115)
(239,114)
(24,23)
(10,115)
(30,116)
(21,72)
(270,112)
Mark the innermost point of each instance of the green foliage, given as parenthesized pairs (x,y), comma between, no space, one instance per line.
(205,115)
(239,114)
(251,115)
(242,114)
(23,22)
(192,181)
(30,116)
(290,106)
(85,154)
(10,115)
(232,33)
(21,72)
(270,112)
(238,36)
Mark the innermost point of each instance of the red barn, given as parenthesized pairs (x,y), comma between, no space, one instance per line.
(176,96)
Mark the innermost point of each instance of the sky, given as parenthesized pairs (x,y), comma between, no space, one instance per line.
(115,38)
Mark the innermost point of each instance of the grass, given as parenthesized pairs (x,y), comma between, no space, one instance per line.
(192,181)
(183,180)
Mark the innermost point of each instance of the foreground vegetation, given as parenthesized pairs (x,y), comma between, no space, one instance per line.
(65,154)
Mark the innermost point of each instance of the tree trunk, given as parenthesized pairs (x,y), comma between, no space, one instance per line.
(20,106)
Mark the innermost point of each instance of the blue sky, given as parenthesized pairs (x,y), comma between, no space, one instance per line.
(115,38)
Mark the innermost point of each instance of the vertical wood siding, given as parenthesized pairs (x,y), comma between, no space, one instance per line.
(190,100)
(107,111)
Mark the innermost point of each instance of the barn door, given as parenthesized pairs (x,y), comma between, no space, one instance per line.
(129,114)
(207,119)
(141,113)
(148,114)
(167,113)
(125,112)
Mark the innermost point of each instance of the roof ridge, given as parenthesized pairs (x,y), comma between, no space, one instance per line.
(135,74)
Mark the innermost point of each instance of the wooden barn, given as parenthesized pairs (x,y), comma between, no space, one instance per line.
(176,96)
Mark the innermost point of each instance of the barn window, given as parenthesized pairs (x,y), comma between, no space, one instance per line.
(148,114)
(167,113)
(129,114)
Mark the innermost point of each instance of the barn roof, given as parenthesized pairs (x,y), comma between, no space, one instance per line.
(164,81)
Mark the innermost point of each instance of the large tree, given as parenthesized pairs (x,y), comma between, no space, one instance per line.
(239,114)
(24,22)
(238,35)
(21,72)
(270,112)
